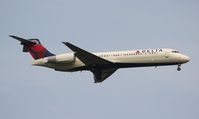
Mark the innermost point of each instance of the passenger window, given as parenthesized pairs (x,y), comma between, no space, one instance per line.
(175,51)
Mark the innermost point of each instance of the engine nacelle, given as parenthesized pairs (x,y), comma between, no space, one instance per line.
(63,58)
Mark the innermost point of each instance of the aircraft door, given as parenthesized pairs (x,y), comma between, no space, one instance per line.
(167,54)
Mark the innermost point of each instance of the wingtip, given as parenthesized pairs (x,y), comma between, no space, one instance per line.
(11,36)
(65,43)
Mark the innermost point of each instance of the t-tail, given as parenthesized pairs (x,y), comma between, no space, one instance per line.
(34,47)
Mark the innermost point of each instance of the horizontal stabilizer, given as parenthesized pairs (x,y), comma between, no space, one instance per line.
(23,41)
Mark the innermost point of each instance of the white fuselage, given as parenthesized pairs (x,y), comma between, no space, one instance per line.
(135,58)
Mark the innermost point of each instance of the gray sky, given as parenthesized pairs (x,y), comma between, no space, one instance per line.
(28,92)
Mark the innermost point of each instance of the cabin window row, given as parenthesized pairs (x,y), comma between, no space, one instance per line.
(115,55)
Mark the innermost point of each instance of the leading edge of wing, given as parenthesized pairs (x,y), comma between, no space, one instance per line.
(86,57)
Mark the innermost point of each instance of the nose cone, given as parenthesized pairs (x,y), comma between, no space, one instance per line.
(185,59)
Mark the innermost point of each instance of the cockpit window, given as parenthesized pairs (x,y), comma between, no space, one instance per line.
(175,51)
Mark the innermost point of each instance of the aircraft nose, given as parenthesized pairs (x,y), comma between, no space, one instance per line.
(185,58)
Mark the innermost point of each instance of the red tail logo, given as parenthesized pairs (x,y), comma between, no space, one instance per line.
(34,47)
(38,50)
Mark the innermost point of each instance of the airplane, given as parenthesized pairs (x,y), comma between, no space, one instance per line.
(102,64)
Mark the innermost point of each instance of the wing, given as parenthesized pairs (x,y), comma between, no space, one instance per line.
(100,68)
(86,57)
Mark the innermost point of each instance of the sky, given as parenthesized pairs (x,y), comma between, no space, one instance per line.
(29,92)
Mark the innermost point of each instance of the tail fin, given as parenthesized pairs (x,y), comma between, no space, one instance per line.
(34,47)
